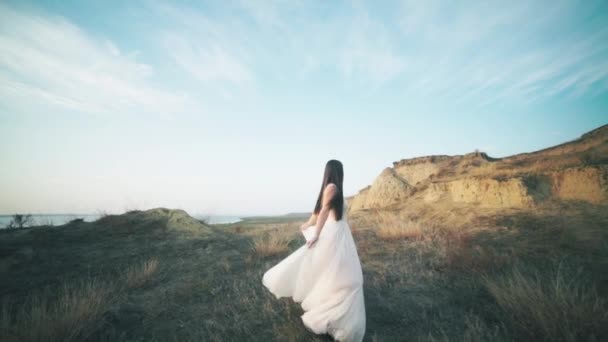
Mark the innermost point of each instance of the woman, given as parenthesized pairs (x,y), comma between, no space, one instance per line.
(325,273)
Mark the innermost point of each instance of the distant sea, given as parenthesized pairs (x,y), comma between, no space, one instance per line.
(59,219)
(218,219)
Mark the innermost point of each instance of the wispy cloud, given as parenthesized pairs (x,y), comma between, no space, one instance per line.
(498,51)
(466,52)
(203,47)
(209,62)
(47,60)
(367,51)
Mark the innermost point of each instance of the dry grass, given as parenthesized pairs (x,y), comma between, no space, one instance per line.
(271,244)
(391,226)
(475,330)
(554,307)
(430,288)
(138,275)
(465,253)
(475,258)
(72,315)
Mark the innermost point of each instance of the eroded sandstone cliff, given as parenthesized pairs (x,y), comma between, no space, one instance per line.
(576,170)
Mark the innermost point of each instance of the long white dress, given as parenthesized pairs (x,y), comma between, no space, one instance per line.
(327,280)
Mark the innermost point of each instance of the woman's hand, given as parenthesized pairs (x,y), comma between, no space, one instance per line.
(304,226)
(312,241)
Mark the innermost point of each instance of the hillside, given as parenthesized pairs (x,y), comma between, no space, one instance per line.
(153,275)
(576,170)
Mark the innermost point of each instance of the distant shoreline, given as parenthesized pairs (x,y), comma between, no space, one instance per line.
(61,219)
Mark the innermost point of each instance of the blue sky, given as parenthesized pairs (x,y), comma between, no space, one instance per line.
(233,107)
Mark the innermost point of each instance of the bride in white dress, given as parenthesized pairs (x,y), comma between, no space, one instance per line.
(324,275)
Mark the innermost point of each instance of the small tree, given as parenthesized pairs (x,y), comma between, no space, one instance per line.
(20,221)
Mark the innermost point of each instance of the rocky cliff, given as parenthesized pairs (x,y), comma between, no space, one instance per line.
(576,170)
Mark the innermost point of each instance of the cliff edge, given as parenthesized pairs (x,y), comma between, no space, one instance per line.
(575,170)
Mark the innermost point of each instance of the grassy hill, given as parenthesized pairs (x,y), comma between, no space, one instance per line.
(160,275)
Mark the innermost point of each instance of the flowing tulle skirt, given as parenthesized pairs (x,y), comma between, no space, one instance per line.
(327,280)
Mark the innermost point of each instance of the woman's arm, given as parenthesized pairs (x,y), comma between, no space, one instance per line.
(312,220)
(328,194)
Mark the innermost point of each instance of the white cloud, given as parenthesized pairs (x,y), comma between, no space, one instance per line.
(499,51)
(368,51)
(458,52)
(209,62)
(46,60)
(212,51)
(267,13)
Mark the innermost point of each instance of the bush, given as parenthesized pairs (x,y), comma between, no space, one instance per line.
(20,221)
(593,157)
(76,220)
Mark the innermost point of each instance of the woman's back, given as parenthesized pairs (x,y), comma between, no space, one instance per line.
(333,214)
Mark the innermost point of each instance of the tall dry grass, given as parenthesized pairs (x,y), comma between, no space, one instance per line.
(72,315)
(553,307)
(475,330)
(391,226)
(138,275)
(270,244)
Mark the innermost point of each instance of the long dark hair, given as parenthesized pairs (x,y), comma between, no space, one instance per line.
(334,173)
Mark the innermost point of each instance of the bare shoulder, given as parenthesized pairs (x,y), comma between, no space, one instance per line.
(331,188)
(329,192)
